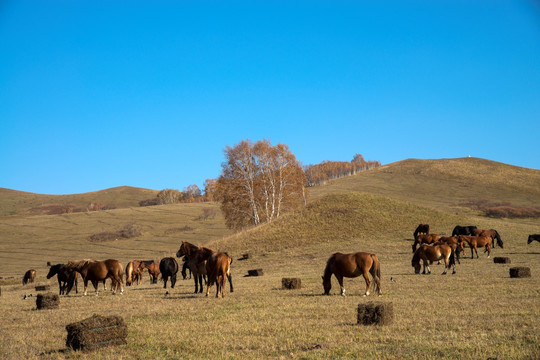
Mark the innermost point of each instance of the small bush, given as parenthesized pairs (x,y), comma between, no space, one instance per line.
(151,202)
(207,213)
(502,209)
(128,231)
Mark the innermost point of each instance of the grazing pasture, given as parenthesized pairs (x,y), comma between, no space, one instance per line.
(478,313)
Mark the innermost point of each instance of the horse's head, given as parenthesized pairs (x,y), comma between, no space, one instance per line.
(53,270)
(183,250)
(327,285)
(415,263)
(530,239)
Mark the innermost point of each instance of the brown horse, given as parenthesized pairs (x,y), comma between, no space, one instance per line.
(29,277)
(133,272)
(65,276)
(218,267)
(428,253)
(492,233)
(475,242)
(96,271)
(351,266)
(421,229)
(153,269)
(424,239)
(453,242)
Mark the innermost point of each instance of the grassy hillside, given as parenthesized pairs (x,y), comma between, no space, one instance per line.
(14,202)
(480,312)
(444,183)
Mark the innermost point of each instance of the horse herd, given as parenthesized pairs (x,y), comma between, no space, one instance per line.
(203,262)
(214,266)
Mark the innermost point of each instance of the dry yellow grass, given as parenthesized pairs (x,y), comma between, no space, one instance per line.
(478,313)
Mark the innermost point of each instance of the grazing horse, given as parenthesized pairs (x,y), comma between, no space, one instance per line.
(29,277)
(197,264)
(492,233)
(96,271)
(463,230)
(424,239)
(351,266)
(218,267)
(421,229)
(168,267)
(133,272)
(532,238)
(475,242)
(153,269)
(428,253)
(65,276)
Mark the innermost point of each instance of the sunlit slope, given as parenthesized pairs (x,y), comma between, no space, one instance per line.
(14,202)
(446,183)
(340,219)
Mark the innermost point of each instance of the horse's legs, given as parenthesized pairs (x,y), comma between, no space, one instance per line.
(340,281)
(476,251)
(60,286)
(85,286)
(366,278)
(488,249)
(446,265)
(95,283)
(173,281)
(229,276)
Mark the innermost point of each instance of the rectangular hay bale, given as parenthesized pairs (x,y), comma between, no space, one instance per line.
(501,260)
(520,272)
(96,332)
(255,272)
(47,301)
(43,287)
(376,313)
(291,283)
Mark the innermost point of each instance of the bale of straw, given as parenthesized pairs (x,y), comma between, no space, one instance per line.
(291,283)
(255,272)
(244,257)
(520,272)
(47,301)
(96,332)
(501,260)
(43,287)
(375,313)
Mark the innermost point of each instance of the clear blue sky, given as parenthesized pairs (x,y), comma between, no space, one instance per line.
(97,94)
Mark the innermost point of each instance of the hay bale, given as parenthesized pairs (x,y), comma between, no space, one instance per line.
(255,272)
(48,301)
(96,332)
(244,257)
(291,283)
(520,272)
(375,313)
(43,287)
(501,260)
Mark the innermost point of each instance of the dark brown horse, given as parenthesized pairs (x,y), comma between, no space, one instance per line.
(428,253)
(351,266)
(29,277)
(475,242)
(532,238)
(96,271)
(424,239)
(153,269)
(133,272)
(492,233)
(65,276)
(421,229)
(218,268)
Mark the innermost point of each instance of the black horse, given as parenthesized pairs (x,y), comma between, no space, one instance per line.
(421,229)
(66,277)
(464,230)
(168,267)
(533,237)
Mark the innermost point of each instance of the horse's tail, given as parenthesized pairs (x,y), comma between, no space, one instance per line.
(376,273)
(499,241)
(129,272)
(452,258)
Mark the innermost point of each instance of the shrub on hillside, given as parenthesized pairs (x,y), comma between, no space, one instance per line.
(502,209)
(151,202)
(128,231)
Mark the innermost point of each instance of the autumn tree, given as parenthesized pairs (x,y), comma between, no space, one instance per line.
(258,182)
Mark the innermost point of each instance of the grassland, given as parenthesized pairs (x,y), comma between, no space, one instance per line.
(478,313)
